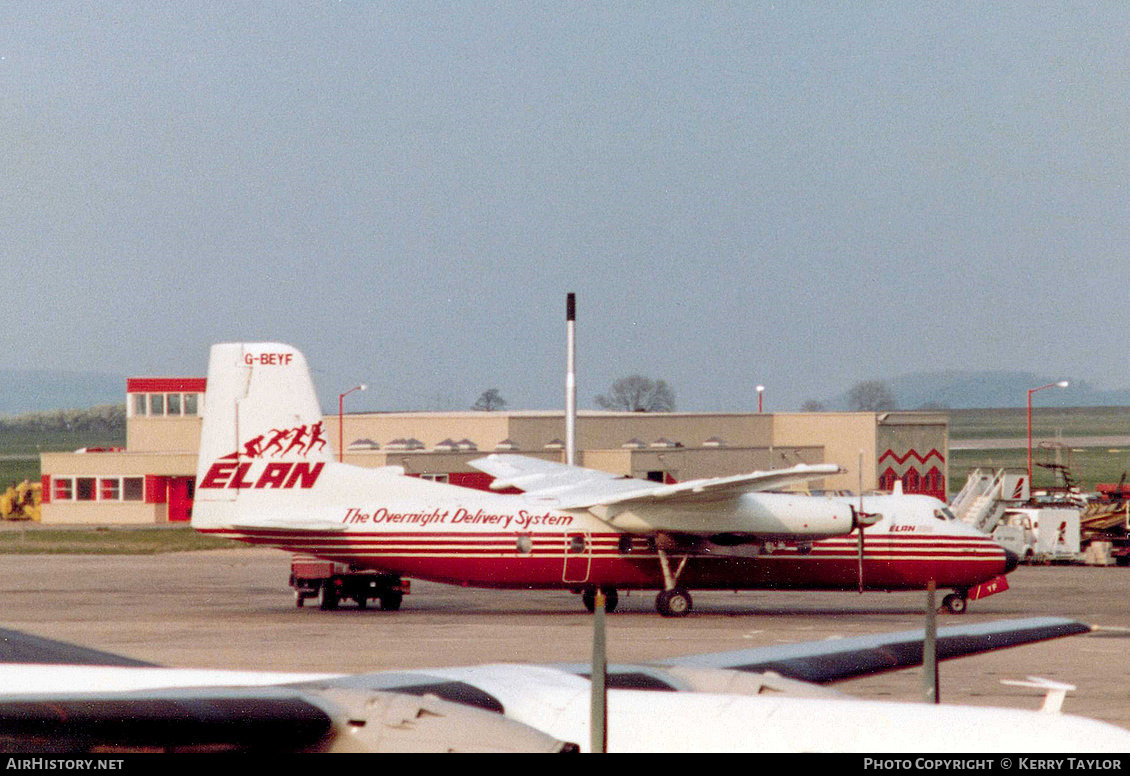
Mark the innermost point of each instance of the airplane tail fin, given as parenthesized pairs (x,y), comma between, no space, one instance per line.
(263,432)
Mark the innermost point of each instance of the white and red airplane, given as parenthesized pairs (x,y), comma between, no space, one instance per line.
(267,476)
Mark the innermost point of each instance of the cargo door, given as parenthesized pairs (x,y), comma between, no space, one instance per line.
(578,556)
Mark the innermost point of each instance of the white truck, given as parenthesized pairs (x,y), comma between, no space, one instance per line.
(1040,534)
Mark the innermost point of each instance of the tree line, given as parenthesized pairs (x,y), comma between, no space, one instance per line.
(103,419)
(636,393)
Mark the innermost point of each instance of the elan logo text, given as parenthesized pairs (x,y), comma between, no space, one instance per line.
(248,474)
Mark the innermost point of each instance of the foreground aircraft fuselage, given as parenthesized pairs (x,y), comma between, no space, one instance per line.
(267,476)
(63,698)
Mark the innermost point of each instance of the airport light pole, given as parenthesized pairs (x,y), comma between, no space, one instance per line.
(341,421)
(760,393)
(1060,384)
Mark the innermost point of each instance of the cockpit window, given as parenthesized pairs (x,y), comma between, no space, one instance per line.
(944,514)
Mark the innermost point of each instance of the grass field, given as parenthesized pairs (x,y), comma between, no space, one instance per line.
(19,450)
(1088,465)
(1047,422)
(31,539)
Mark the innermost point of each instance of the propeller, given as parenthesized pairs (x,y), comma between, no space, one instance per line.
(859,522)
(862,520)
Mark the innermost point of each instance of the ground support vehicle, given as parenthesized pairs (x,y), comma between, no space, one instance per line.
(1106,525)
(331,583)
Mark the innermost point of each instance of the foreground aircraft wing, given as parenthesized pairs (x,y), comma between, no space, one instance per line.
(575,487)
(19,647)
(705,703)
(850,658)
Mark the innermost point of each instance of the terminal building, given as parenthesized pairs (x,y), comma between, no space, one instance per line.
(151,480)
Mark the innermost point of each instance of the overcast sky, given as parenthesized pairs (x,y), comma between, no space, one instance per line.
(799,195)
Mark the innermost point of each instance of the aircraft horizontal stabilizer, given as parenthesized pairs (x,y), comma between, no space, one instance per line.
(250,524)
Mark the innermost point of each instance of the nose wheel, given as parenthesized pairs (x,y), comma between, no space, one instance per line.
(955,603)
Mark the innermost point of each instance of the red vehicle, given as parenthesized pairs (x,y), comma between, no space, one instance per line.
(331,583)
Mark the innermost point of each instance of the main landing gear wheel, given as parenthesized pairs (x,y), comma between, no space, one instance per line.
(675,602)
(955,603)
(390,602)
(588,598)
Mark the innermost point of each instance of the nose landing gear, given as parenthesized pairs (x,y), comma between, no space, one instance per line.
(955,603)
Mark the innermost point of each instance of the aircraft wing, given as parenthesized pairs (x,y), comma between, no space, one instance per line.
(575,487)
(839,659)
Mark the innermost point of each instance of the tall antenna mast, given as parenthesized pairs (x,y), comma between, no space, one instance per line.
(571,379)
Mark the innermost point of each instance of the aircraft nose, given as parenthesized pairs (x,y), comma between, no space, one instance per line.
(1011,560)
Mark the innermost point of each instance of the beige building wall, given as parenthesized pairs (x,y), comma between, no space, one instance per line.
(530,431)
(119,463)
(162,435)
(485,429)
(152,506)
(103,513)
(843,435)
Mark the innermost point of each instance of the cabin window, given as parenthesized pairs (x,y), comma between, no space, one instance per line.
(525,544)
(624,544)
(576,544)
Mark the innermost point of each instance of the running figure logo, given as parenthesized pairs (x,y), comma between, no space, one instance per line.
(303,440)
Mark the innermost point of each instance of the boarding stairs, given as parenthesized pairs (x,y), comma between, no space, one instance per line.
(980,501)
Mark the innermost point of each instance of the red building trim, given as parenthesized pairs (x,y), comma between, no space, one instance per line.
(911,454)
(166,384)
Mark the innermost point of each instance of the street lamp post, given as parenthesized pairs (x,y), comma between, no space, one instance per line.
(760,392)
(1060,384)
(341,421)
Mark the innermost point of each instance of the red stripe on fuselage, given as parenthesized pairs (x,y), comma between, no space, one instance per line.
(494,560)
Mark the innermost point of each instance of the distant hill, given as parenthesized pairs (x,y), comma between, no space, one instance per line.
(41,390)
(983,390)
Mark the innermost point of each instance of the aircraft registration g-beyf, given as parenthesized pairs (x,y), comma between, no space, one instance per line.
(267,476)
(55,697)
